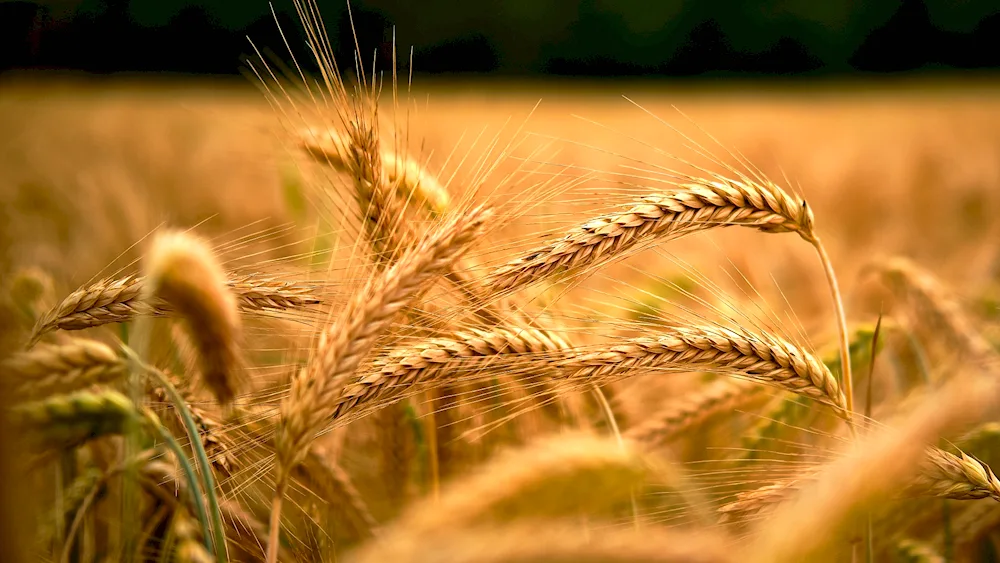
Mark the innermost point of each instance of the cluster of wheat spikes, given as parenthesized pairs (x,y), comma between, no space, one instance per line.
(427,410)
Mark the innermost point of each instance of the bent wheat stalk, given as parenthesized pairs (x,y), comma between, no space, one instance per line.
(695,206)
(312,400)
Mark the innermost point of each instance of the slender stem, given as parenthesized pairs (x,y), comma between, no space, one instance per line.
(845,351)
(275,523)
(194,437)
(432,448)
(610,415)
(193,484)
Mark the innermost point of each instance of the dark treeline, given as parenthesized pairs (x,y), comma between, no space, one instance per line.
(515,37)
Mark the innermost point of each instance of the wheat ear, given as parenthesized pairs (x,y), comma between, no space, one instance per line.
(189,547)
(217,445)
(311,402)
(875,467)
(331,148)
(694,409)
(932,299)
(695,206)
(65,421)
(335,487)
(757,356)
(60,368)
(183,272)
(940,474)
(438,361)
(120,300)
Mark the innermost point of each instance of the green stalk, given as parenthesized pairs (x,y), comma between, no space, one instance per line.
(193,486)
(195,440)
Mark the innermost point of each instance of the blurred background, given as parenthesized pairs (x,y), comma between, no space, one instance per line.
(593,38)
(123,115)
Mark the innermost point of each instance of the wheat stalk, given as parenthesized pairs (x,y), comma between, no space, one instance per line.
(217,445)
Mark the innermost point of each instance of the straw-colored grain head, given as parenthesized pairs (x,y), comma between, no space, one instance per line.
(183,271)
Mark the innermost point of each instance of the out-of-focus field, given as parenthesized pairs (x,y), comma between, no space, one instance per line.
(89,168)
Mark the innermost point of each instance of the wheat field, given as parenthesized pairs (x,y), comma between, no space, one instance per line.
(346,319)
